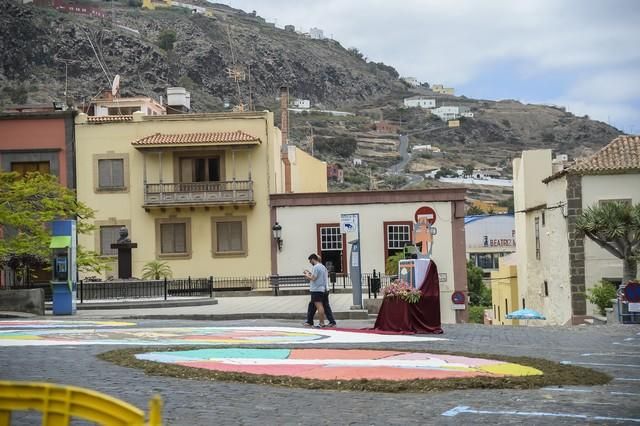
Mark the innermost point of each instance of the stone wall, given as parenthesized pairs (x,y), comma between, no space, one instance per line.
(576,246)
(29,301)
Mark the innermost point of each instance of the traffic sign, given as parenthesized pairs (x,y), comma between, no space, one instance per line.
(632,292)
(348,223)
(458,298)
(426,212)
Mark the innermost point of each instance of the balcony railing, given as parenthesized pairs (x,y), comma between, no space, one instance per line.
(198,193)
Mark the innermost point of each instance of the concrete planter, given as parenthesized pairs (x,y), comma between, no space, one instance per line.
(27,300)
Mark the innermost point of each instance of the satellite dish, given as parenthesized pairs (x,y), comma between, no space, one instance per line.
(115,86)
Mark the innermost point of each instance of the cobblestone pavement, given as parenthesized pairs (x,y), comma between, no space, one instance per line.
(614,350)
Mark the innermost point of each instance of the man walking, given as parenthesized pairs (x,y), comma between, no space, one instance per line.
(318,284)
(311,309)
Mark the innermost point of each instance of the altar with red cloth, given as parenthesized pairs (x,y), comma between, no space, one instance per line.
(399,316)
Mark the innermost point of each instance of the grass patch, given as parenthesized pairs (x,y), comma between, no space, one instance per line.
(554,374)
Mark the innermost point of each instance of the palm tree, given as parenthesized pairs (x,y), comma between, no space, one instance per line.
(615,227)
(155,270)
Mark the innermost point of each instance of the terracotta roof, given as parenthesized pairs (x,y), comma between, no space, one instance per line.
(223,138)
(621,155)
(109,119)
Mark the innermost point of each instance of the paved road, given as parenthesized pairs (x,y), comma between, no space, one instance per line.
(614,350)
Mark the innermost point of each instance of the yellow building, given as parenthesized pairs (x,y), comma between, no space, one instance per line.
(193,189)
(504,290)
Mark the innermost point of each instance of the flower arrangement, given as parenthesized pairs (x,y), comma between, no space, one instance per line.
(403,291)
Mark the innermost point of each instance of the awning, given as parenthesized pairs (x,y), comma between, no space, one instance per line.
(60,241)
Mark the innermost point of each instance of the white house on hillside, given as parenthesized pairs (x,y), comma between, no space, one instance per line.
(419,102)
(446,113)
(302,103)
(316,33)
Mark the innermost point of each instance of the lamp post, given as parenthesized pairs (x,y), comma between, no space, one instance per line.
(277,235)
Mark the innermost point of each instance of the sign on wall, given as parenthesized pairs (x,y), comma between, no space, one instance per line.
(348,223)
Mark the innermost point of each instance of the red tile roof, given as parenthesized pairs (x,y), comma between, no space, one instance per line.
(621,155)
(109,119)
(223,138)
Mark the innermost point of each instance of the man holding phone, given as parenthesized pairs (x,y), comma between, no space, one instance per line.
(318,284)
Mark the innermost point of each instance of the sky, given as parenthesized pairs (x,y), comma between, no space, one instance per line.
(580,54)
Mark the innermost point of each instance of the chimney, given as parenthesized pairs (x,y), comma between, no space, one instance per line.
(284,114)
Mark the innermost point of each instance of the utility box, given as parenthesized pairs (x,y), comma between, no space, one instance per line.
(63,260)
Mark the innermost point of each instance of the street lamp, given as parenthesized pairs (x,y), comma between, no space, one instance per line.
(277,235)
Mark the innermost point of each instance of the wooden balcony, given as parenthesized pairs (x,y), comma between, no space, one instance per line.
(235,192)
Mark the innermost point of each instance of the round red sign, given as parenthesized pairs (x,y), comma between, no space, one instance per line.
(632,292)
(426,212)
(458,298)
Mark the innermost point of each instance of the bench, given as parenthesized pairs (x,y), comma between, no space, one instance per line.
(278,281)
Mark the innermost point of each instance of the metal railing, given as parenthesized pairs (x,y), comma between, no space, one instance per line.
(234,191)
(143,289)
(191,287)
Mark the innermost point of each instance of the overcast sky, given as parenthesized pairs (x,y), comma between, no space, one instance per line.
(582,54)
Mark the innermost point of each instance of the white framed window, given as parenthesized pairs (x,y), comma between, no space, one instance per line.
(330,238)
(398,236)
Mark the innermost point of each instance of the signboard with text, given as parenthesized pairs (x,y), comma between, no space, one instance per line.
(348,223)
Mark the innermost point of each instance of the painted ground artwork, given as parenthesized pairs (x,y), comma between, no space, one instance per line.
(20,324)
(342,364)
(193,336)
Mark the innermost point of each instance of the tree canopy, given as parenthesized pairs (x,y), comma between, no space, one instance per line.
(615,226)
(27,205)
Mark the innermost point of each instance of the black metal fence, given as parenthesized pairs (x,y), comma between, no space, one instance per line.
(141,289)
(194,287)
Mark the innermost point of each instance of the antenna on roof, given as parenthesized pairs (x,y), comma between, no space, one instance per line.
(115,86)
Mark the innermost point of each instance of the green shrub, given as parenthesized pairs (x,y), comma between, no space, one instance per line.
(166,39)
(476,314)
(601,295)
(156,270)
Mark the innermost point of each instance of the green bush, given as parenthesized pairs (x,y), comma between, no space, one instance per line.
(601,295)
(476,314)
(166,39)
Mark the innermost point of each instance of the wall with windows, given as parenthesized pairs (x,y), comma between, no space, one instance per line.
(489,237)
(384,227)
(599,263)
(41,142)
(550,293)
(209,239)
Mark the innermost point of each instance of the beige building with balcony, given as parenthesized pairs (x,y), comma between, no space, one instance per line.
(193,189)
(556,264)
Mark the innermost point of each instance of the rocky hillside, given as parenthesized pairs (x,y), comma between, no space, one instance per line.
(43,49)
(35,43)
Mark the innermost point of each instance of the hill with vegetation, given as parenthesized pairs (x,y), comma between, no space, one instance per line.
(46,52)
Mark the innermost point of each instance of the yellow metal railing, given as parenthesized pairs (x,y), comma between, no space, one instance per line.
(59,404)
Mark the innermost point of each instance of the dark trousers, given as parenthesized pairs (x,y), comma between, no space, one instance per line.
(311,310)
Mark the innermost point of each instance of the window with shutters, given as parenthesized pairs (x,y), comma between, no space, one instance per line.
(229,236)
(173,237)
(111,172)
(24,167)
(109,235)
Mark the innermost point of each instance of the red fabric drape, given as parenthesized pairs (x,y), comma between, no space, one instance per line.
(423,317)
